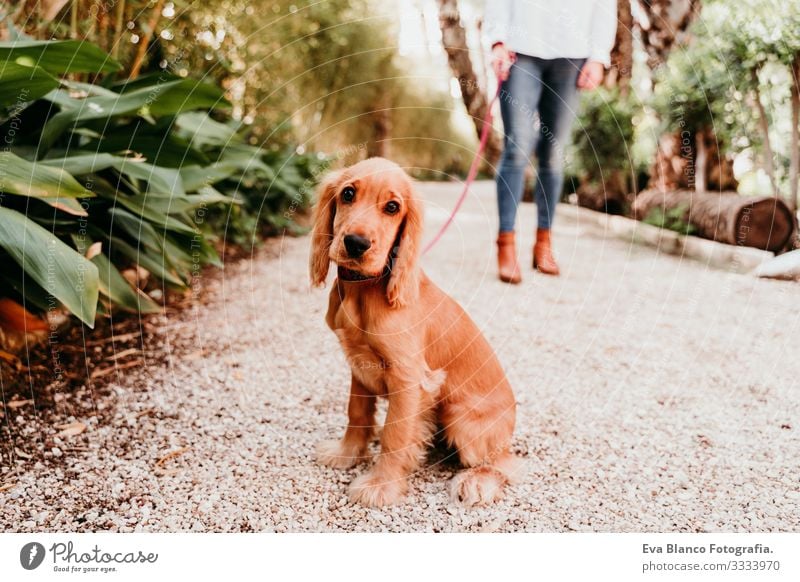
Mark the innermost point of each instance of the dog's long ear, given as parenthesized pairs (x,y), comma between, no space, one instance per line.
(403,286)
(322,232)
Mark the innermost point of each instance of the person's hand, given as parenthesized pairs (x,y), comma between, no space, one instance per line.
(502,59)
(591,75)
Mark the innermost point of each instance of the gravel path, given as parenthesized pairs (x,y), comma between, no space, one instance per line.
(654,394)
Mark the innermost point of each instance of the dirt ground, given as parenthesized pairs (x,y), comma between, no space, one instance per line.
(654,394)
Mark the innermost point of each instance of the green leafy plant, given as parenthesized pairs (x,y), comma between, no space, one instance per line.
(100,178)
(604,133)
(601,153)
(673,219)
(762,47)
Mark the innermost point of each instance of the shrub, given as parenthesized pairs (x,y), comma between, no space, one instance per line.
(97,178)
(601,152)
(603,136)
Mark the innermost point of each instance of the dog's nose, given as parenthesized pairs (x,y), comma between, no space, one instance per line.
(356,245)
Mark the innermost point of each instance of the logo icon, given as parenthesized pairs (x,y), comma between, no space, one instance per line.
(31,555)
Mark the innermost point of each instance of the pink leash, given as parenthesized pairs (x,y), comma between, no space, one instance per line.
(473,171)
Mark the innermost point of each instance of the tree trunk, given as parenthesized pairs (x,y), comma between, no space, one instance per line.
(619,75)
(763,126)
(49,9)
(764,222)
(102,27)
(611,196)
(700,162)
(378,146)
(794,164)
(482,57)
(454,39)
(73,19)
(662,22)
(148,34)
(119,27)
(676,164)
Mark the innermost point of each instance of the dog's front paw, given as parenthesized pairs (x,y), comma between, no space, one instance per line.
(336,454)
(479,486)
(374,490)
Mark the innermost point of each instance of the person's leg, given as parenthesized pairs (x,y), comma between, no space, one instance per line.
(556,114)
(557,110)
(519,99)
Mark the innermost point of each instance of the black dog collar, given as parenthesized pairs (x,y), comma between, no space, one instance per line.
(346,274)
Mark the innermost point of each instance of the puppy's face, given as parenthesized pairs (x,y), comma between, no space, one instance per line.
(367,215)
(371,203)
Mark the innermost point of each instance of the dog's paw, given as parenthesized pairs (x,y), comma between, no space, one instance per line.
(375,491)
(335,454)
(479,486)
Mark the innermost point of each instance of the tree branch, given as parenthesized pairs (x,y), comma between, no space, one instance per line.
(145,41)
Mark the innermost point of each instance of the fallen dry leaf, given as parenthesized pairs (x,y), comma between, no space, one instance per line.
(100,372)
(115,338)
(10,358)
(124,354)
(71,429)
(171,455)
(94,250)
(17,403)
(22,454)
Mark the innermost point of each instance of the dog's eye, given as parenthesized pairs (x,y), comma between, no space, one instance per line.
(391,207)
(348,194)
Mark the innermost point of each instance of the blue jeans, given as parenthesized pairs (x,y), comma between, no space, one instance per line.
(547,87)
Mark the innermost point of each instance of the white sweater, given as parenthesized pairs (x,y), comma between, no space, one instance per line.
(551,29)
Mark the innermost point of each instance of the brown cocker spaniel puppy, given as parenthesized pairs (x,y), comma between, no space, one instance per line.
(406,341)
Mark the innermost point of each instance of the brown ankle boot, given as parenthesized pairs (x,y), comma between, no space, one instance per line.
(543,253)
(507,258)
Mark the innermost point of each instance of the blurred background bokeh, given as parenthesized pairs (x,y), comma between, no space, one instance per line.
(183,131)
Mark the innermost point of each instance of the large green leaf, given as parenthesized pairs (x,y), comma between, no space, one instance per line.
(138,228)
(206,196)
(195,177)
(139,205)
(247,158)
(202,131)
(144,80)
(39,180)
(60,270)
(167,98)
(53,185)
(114,286)
(158,266)
(90,89)
(82,163)
(59,56)
(20,84)
(149,249)
(184,95)
(156,143)
(176,252)
(206,252)
(162,180)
